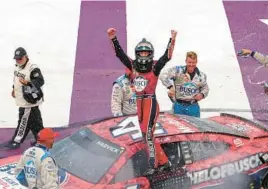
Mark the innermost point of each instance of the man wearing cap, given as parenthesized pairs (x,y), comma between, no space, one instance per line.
(36,168)
(28,95)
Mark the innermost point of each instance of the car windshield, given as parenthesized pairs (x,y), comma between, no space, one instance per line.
(86,155)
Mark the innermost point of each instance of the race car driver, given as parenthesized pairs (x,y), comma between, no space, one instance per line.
(145,72)
(36,168)
(123,101)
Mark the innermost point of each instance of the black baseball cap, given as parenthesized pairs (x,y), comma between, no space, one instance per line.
(19,53)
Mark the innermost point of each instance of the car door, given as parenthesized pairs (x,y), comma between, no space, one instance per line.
(194,153)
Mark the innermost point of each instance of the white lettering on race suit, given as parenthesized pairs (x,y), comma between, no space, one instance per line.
(150,143)
(151,149)
(108,147)
(131,126)
(140,83)
(225,170)
(22,126)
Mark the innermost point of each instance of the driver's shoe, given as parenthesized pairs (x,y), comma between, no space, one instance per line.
(166,166)
(149,171)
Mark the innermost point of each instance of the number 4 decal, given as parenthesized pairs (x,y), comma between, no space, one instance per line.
(131,126)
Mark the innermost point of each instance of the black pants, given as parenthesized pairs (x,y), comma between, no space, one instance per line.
(29,119)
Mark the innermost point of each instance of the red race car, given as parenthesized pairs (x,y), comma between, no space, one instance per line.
(205,153)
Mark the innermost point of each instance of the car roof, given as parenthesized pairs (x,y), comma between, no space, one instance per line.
(125,130)
(251,128)
(205,125)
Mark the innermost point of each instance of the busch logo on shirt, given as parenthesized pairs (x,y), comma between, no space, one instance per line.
(187,89)
(140,83)
(132,101)
(30,171)
(18,74)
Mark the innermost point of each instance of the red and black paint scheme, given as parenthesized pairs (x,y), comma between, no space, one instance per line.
(205,153)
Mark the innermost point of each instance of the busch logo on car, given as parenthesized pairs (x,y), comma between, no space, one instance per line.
(225,170)
(140,83)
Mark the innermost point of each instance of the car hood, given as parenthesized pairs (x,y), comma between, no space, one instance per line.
(7,179)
